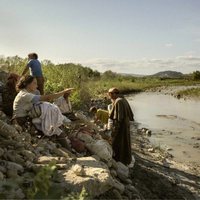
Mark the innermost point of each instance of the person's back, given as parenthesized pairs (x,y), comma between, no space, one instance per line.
(102,115)
(35,68)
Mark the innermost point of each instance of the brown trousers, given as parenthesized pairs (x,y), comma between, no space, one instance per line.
(40,83)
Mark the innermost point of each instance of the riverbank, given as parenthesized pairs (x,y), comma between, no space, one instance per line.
(174,123)
(157,176)
(179,91)
(29,160)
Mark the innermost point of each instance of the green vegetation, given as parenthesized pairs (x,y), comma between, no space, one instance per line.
(44,188)
(196,75)
(76,196)
(89,83)
(194,92)
(42,182)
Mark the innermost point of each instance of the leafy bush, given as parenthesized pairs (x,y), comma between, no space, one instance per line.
(89,83)
(196,75)
(42,182)
(76,196)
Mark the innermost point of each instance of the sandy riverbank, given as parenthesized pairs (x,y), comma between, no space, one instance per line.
(173,90)
(157,176)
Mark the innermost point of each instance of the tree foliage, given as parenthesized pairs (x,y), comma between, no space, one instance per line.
(58,77)
(196,75)
(87,82)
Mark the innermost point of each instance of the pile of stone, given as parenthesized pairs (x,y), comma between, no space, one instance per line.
(88,164)
(23,154)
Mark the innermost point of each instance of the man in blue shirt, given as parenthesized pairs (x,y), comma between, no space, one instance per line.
(34,66)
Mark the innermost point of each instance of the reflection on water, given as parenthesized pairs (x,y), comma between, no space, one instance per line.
(175,123)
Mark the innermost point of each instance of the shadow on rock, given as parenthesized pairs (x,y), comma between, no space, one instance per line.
(155,181)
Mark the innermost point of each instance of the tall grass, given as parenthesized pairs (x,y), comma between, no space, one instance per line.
(89,83)
(193,92)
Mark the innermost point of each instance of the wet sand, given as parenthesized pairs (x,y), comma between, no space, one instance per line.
(157,175)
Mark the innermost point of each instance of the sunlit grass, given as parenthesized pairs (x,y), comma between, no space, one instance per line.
(193,92)
(90,84)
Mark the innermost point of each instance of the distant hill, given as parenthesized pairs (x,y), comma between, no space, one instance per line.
(134,75)
(168,74)
(163,74)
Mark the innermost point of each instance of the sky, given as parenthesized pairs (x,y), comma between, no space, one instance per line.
(125,36)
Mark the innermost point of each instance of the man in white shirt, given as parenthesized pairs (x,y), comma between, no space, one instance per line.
(65,106)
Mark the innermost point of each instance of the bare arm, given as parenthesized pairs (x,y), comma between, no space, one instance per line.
(50,97)
(25,70)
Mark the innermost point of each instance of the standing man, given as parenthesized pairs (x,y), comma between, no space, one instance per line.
(121,114)
(35,68)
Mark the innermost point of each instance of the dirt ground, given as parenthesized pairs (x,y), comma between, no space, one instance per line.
(157,176)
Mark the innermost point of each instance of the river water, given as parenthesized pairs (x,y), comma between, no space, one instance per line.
(175,123)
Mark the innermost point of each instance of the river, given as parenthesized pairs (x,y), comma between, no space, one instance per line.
(175,123)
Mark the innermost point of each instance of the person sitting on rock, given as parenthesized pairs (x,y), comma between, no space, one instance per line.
(49,117)
(9,93)
(65,106)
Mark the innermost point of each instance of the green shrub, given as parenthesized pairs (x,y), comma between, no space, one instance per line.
(196,75)
(42,182)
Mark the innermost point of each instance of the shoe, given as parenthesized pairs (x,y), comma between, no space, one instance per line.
(131,165)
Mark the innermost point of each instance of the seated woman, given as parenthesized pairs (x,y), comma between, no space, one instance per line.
(9,93)
(50,119)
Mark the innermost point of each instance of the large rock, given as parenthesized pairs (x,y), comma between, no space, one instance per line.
(7,130)
(28,155)
(102,149)
(14,166)
(90,173)
(85,137)
(121,170)
(48,159)
(1,152)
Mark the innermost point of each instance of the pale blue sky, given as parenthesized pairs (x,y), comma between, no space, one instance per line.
(130,36)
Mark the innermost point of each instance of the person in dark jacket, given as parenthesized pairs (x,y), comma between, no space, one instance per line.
(9,93)
(121,114)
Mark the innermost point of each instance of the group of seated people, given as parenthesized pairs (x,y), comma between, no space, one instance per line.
(49,117)
(46,116)
(28,104)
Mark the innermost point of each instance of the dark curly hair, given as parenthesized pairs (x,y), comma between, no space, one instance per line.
(24,81)
(33,55)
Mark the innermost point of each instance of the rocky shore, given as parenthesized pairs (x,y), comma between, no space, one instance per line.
(173,90)
(24,155)
(157,176)
(33,166)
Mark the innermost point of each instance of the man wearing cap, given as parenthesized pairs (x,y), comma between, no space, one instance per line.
(121,114)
